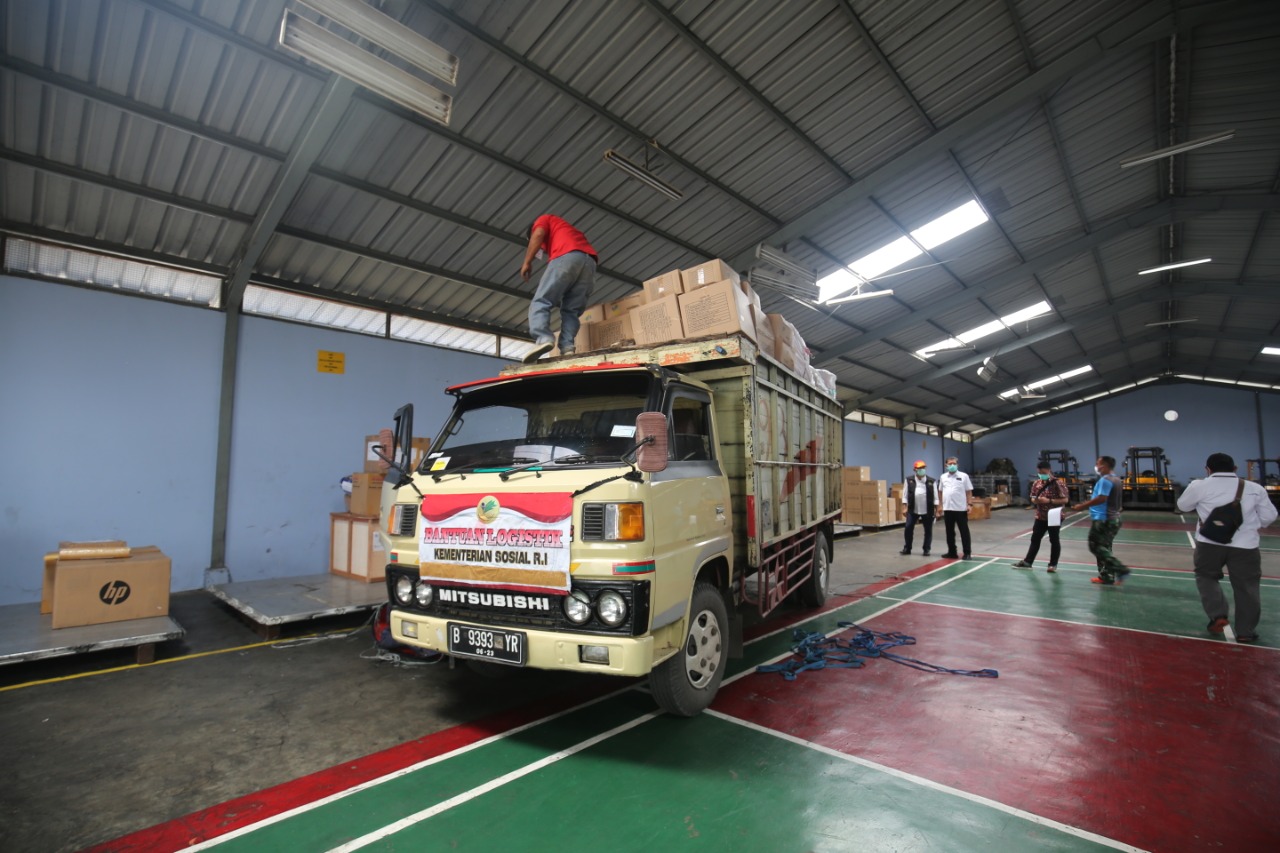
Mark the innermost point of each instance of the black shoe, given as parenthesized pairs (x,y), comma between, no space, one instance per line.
(1249,640)
(539,351)
(951,556)
(905,551)
(926,553)
(1021,564)
(967,557)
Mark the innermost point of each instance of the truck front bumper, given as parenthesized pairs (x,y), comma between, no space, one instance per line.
(631,656)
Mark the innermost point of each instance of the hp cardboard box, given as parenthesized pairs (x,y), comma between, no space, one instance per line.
(720,308)
(622,307)
(611,333)
(366,494)
(708,273)
(657,322)
(112,589)
(667,284)
(372,464)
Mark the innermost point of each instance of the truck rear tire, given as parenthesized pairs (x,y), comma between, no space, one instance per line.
(685,683)
(813,592)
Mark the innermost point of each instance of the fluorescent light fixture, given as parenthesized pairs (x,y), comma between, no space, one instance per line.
(1077,372)
(775,268)
(312,41)
(1028,393)
(783,261)
(1189,145)
(1271,350)
(1174,322)
(642,175)
(391,35)
(760,277)
(987,371)
(1175,266)
(862,294)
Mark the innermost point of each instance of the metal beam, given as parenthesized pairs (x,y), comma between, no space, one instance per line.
(1159,213)
(1149,24)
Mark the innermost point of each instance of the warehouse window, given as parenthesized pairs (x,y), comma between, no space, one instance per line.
(1015,391)
(316,312)
(440,335)
(1008,321)
(110,272)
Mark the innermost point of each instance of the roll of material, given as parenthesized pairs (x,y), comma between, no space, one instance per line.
(93,550)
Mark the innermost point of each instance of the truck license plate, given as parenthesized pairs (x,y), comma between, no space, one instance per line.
(486,643)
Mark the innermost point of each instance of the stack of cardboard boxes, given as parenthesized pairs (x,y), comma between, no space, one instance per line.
(866,501)
(355,551)
(702,301)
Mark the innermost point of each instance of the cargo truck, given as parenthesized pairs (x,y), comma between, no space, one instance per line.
(616,513)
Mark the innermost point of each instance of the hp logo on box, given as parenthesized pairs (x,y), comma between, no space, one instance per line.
(114,592)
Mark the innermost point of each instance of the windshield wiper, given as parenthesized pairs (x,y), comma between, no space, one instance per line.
(559,460)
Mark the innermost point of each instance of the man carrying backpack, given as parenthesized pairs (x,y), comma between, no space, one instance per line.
(1231,511)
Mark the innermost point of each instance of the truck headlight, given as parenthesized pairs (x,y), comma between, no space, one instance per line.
(424,594)
(404,589)
(624,522)
(577,607)
(611,608)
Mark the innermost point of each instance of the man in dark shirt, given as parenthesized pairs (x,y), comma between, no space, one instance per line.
(917,496)
(1047,492)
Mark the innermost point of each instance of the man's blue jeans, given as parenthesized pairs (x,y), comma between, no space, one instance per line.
(566,283)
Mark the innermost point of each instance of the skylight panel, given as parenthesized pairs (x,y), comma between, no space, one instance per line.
(1271,350)
(950,225)
(980,332)
(837,283)
(1037,310)
(886,258)
(964,338)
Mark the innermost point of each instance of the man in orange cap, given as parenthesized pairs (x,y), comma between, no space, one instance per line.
(918,496)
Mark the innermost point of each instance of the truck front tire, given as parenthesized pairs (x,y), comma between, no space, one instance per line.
(685,683)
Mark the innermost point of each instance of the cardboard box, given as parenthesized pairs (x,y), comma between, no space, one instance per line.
(372,464)
(667,284)
(355,551)
(979,511)
(421,446)
(622,307)
(856,473)
(366,494)
(764,333)
(708,273)
(658,322)
(611,333)
(592,314)
(720,308)
(111,589)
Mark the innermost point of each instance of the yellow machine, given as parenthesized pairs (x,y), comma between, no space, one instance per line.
(1266,473)
(1146,480)
(609,512)
(1066,469)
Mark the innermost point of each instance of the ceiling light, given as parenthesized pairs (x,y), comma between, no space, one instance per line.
(760,277)
(1174,322)
(642,175)
(1178,149)
(1271,350)
(862,294)
(1027,393)
(775,268)
(988,370)
(391,35)
(312,41)
(1176,265)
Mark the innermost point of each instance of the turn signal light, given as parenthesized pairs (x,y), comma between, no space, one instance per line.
(624,522)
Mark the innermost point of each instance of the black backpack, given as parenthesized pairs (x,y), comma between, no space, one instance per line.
(1223,521)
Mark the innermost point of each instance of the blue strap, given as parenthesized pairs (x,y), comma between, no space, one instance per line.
(815,650)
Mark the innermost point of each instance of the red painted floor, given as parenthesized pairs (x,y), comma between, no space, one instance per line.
(1079,724)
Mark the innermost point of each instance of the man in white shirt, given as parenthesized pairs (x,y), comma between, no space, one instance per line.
(954,492)
(1240,556)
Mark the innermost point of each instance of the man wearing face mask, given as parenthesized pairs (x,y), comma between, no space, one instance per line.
(567,282)
(954,493)
(917,497)
(1104,513)
(1047,492)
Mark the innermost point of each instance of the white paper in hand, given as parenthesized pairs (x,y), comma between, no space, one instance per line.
(1055,517)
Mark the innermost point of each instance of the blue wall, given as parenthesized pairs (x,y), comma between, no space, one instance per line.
(109,418)
(891,452)
(1210,419)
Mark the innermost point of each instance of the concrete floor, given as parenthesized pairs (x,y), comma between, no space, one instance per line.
(97,747)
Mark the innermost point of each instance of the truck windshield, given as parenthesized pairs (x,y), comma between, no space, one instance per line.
(564,420)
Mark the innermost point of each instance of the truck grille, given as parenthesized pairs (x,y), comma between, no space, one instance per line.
(592,522)
(406,519)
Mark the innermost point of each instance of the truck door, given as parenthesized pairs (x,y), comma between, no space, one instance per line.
(690,507)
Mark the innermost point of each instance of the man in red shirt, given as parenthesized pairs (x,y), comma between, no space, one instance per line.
(567,282)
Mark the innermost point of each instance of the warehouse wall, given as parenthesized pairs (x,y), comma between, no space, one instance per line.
(1210,419)
(108,429)
(891,452)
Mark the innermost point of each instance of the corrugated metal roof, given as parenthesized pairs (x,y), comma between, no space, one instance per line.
(159,128)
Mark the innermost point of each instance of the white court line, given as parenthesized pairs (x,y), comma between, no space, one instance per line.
(880,612)
(936,786)
(491,785)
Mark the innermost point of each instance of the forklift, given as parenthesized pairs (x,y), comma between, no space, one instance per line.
(1146,483)
(1066,469)
(1266,473)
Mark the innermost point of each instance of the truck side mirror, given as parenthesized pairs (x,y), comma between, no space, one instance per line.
(402,453)
(651,436)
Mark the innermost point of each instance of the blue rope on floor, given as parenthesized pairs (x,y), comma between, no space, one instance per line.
(818,651)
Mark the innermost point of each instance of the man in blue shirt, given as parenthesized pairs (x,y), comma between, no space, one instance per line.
(1104,512)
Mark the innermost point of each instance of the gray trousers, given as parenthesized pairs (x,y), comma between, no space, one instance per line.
(1244,568)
